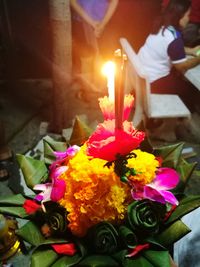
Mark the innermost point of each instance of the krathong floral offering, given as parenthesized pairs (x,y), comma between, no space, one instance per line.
(108,201)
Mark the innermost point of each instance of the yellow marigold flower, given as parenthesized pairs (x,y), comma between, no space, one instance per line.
(145,165)
(94,193)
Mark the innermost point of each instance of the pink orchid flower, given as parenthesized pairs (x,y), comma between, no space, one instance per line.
(61,158)
(165,180)
(106,142)
(71,151)
(52,191)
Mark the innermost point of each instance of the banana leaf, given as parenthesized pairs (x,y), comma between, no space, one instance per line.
(14,211)
(185,170)
(185,206)
(13,200)
(144,259)
(157,258)
(43,258)
(50,145)
(80,132)
(67,261)
(34,171)
(171,154)
(172,234)
(98,261)
(31,234)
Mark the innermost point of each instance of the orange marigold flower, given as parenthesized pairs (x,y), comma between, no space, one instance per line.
(94,193)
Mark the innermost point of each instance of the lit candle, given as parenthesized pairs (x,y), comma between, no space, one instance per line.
(109,72)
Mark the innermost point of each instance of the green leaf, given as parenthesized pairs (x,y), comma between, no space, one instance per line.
(72,260)
(31,233)
(171,154)
(14,211)
(172,234)
(157,258)
(14,200)
(128,237)
(98,261)
(34,171)
(43,258)
(185,170)
(185,206)
(80,132)
(67,261)
(50,145)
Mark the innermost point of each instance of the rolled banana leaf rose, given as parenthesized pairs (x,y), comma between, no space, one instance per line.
(145,216)
(103,238)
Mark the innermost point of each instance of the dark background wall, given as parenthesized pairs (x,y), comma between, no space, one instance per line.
(26,33)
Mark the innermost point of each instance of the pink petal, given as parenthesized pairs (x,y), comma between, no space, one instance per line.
(137,195)
(153,194)
(71,151)
(169,197)
(41,187)
(106,142)
(161,196)
(58,171)
(166,178)
(45,195)
(58,190)
(39,197)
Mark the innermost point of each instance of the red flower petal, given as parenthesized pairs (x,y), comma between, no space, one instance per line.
(30,206)
(106,142)
(65,249)
(138,249)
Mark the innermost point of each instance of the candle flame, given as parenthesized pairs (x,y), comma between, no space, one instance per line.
(108,68)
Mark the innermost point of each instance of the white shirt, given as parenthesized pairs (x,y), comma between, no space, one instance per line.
(160,51)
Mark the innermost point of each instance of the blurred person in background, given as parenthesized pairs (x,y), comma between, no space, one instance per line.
(163,55)
(89,20)
(191,33)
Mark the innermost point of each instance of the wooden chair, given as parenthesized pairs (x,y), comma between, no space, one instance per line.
(147,104)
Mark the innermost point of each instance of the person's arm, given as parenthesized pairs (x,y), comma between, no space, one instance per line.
(109,13)
(192,51)
(188,64)
(177,54)
(81,12)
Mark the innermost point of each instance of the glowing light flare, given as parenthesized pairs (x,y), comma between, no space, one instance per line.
(108,70)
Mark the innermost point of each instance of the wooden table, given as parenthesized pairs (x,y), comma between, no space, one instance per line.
(193,75)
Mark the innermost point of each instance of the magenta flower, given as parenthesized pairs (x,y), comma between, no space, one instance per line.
(61,158)
(58,189)
(165,180)
(46,189)
(52,191)
(58,185)
(106,142)
(71,151)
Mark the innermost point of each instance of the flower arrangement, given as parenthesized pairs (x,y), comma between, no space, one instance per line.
(110,201)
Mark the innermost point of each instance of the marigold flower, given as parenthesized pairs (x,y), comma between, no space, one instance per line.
(94,193)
